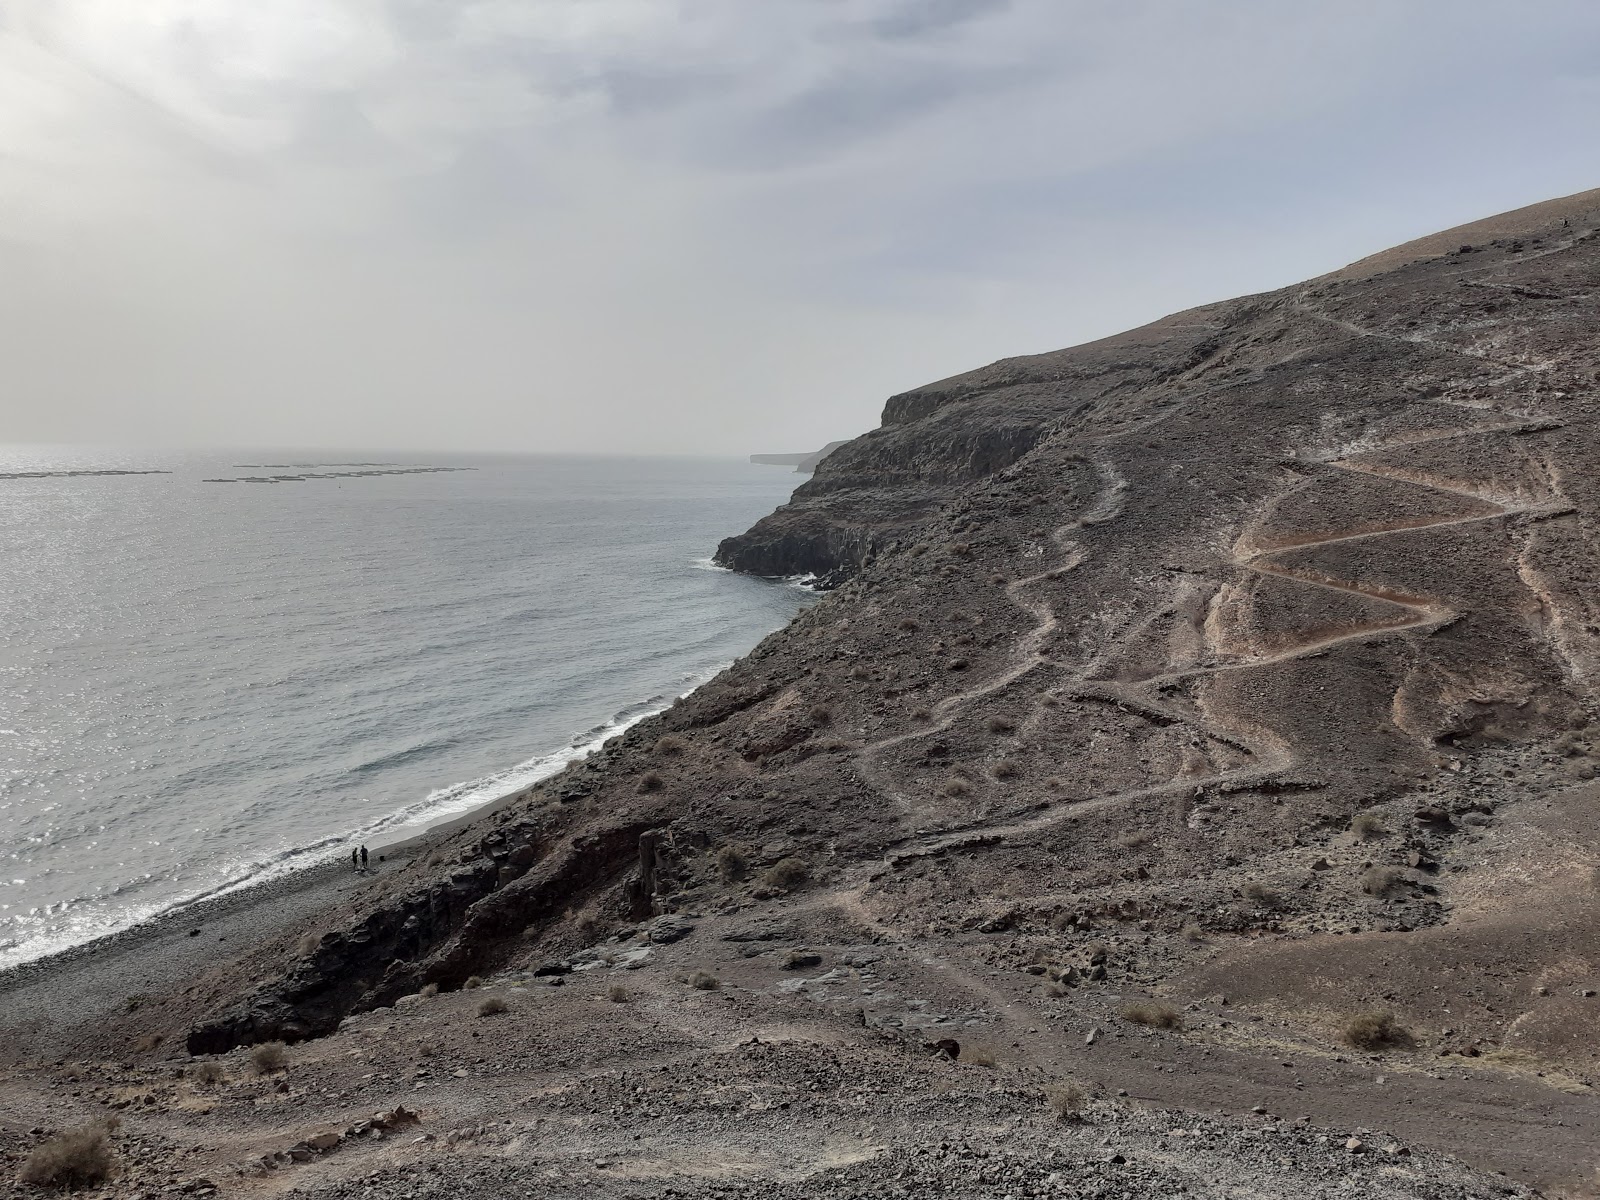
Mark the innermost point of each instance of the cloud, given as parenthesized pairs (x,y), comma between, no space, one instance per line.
(701,224)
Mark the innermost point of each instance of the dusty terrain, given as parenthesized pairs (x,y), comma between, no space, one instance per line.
(1187,696)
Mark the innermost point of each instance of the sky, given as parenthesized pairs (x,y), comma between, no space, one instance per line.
(703,226)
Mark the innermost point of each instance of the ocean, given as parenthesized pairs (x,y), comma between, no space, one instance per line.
(250,661)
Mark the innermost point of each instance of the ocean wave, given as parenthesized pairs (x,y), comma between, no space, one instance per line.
(436,807)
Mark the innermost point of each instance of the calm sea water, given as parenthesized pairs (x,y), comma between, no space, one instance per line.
(202,684)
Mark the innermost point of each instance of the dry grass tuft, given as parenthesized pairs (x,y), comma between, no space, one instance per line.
(703,981)
(1382,881)
(651,781)
(821,715)
(429,991)
(669,744)
(1152,1014)
(733,863)
(618,994)
(145,1043)
(1132,839)
(1261,894)
(976,1056)
(1367,825)
(269,1057)
(1066,1100)
(908,625)
(1005,769)
(1193,931)
(308,945)
(473,981)
(209,1074)
(492,1006)
(1373,1031)
(921,714)
(786,873)
(956,786)
(998,724)
(75,1158)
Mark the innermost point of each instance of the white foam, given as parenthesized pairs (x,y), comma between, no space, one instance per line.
(437,806)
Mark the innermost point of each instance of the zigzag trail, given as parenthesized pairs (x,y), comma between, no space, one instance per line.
(1271,757)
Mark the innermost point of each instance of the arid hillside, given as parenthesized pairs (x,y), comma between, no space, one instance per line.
(1202,721)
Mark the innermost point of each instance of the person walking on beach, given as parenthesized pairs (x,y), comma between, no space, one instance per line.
(363,858)
(355,860)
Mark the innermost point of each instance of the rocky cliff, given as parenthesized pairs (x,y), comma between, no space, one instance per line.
(1206,713)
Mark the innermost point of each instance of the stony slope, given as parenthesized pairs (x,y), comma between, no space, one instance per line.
(1243,663)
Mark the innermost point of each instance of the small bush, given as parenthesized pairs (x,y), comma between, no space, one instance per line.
(651,781)
(821,715)
(977,1056)
(1005,769)
(733,864)
(429,991)
(1261,894)
(1054,784)
(921,714)
(308,945)
(492,1006)
(208,1074)
(473,981)
(1382,881)
(147,1042)
(1050,700)
(133,1003)
(703,981)
(786,873)
(76,1158)
(1066,1100)
(1373,1031)
(618,994)
(1366,826)
(268,1057)
(860,672)
(907,625)
(1132,839)
(956,786)
(669,745)
(1153,1014)
(999,724)
(1193,931)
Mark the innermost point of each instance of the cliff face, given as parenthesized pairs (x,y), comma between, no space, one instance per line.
(1254,651)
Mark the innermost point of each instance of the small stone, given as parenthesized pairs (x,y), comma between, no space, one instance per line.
(1354,1145)
(1259,1109)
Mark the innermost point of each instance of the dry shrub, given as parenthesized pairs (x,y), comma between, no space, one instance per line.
(1261,894)
(1066,1100)
(1050,700)
(1194,932)
(133,1003)
(669,744)
(651,781)
(1054,784)
(997,579)
(473,981)
(147,1042)
(1382,881)
(703,981)
(1153,1014)
(821,715)
(1132,839)
(267,1057)
(921,714)
(733,863)
(1373,1031)
(308,945)
(208,1073)
(998,724)
(429,991)
(492,1006)
(1005,769)
(618,994)
(919,549)
(76,1158)
(908,625)
(785,873)
(956,786)
(976,1056)
(1367,825)
(859,672)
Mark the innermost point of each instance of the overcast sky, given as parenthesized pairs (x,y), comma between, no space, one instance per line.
(703,225)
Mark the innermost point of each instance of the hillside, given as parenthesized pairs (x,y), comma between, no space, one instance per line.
(1202,716)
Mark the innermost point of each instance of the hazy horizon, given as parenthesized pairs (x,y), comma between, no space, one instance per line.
(694,226)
